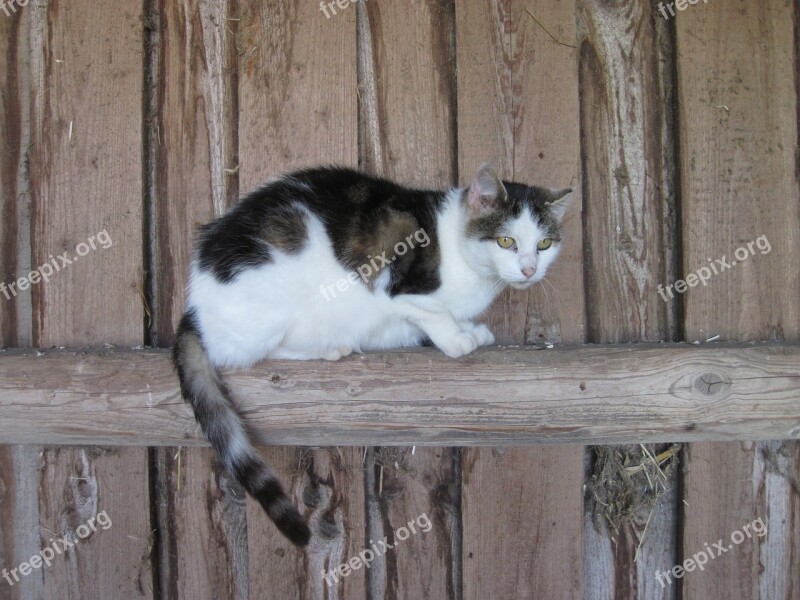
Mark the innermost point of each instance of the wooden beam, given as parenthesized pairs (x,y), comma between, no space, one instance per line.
(580,395)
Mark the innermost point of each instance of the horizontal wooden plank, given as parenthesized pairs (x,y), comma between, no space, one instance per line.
(582,394)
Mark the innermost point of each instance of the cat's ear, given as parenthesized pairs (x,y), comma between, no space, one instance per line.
(486,193)
(558,201)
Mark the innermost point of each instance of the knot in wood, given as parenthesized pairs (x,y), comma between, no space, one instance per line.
(712,384)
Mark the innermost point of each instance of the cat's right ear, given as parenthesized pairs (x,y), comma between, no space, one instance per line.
(486,193)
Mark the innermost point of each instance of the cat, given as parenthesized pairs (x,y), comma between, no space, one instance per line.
(323,262)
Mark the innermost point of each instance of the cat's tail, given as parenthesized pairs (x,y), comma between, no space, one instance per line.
(203,387)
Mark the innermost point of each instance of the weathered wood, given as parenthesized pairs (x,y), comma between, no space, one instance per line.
(298,106)
(629,170)
(85,175)
(201,526)
(191,147)
(298,93)
(532,528)
(518,108)
(410,137)
(330,485)
(738,117)
(623,114)
(416,489)
(613,394)
(194,153)
(14,199)
(20,534)
(19,509)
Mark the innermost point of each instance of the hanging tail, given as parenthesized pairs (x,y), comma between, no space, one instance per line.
(203,387)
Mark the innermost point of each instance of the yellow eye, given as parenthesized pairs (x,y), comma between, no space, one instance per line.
(506,242)
(544,244)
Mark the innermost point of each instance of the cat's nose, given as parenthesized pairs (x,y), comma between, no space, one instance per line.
(528,272)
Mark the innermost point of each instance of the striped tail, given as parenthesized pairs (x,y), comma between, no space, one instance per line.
(203,387)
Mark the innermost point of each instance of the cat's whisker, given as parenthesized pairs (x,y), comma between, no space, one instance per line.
(550,283)
(544,289)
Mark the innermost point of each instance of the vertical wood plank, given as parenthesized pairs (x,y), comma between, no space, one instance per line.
(423,488)
(19,515)
(522,519)
(86,167)
(192,154)
(410,137)
(736,76)
(86,171)
(329,484)
(298,106)
(202,527)
(14,139)
(518,108)
(623,115)
(629,165)
(297,89)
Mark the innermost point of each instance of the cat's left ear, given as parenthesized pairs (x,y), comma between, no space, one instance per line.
(558,201)
(487,192)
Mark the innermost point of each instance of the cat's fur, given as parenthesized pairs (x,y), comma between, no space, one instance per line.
(266,282)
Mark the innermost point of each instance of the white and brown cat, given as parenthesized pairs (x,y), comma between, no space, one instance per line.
(419,266)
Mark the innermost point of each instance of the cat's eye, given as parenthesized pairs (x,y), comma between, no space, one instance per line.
(544,244)
(506,242)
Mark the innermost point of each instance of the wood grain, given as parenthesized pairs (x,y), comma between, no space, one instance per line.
(202,527)
(410,137)
(298,97)
(405,136)
(192,152)
(20,537)
(329,483)
(736,71)
(85,173)
(623,115)
(518,109)
(630,230)
(19,511)
(539,531)
(633,393)
(14,200)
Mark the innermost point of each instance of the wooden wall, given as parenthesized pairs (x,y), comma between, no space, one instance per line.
(147,119)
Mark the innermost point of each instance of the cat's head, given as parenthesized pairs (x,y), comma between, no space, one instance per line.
(513,230)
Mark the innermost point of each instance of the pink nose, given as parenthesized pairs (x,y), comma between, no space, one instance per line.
(528,272)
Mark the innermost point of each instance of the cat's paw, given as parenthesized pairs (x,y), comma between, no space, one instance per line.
(335,354)
(483,336)
(458,345)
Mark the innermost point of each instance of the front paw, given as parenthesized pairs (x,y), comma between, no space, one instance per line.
(335,354)
(458,345)
(481,333)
